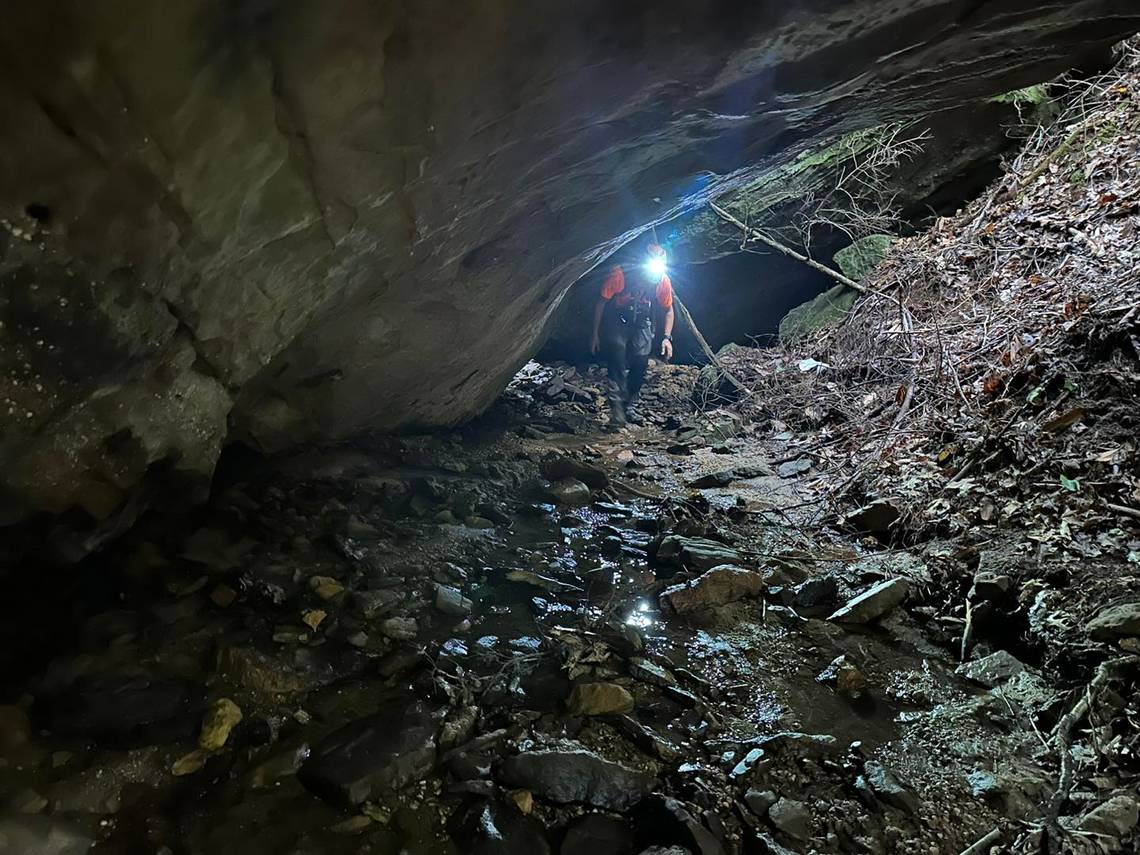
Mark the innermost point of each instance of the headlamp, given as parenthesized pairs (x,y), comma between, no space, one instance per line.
(656,266)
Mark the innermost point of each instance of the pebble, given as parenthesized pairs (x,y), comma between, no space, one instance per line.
(450,601)
(223,716)
(400,628)
(325,587)
(313,618)
(190,763)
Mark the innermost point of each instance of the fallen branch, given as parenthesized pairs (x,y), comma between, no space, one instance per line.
(1123,509)
(683,311)
(983,844)
(1063,740)
(788,251)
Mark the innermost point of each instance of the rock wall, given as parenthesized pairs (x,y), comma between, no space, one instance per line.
(290,219)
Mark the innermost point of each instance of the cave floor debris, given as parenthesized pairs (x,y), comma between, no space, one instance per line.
(719,633)
(537,636)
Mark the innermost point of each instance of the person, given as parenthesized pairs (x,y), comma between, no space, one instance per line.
(624,330)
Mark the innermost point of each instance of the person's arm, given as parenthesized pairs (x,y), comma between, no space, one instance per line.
(614,283)
(595,339)
(665,298)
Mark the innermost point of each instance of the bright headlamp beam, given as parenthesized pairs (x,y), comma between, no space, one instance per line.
(656,267)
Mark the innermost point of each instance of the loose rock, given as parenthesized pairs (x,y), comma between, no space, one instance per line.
(791,817)
(569,775)
(325,587)
(570,492)
(451,601)
(222,717)
(1115,622)
(717,587)
(599,699)
(372,756)
(992,670)
(873,603)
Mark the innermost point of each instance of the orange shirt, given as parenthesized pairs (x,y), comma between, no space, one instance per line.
(614,287)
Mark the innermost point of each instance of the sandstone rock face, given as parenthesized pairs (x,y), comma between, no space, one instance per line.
(286,220)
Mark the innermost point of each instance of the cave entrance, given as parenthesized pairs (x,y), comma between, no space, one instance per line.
(739,297)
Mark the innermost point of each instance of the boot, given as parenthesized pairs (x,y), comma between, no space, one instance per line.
(632,413)
(617,407)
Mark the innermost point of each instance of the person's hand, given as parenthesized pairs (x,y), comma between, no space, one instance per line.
(595,344)
(666,349)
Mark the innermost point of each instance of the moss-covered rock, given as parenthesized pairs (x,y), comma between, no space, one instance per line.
(859,260)
(826,309)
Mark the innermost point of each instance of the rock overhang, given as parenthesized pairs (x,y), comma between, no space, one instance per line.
(299,221)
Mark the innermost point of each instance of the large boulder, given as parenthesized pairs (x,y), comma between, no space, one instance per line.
(283,221)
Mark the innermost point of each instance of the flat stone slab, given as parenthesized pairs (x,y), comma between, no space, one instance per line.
(575,775)
(717,587)
(873,603)
(372,755)
(1115,622)
(992,670)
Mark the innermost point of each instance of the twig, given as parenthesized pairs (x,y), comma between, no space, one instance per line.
(982,844)
(708,351)
(1063,739)
(775,244)
(1123,509)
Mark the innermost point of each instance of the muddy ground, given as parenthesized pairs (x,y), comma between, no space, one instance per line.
(535,635)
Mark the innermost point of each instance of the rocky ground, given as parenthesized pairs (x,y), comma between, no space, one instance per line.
(837,615)
(532,636)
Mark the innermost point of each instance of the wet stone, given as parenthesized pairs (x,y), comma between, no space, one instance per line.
(717,587)
(648,672)
(570,492)
(373,755)
(697,554)
(820,592)
(494,829)
(874,603)
(27,800)
(599,699)
(562,467)
(574,775)
(15,730)
(669,823)
(42,835)
(992,670)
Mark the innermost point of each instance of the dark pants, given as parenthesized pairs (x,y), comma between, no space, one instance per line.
(626,344)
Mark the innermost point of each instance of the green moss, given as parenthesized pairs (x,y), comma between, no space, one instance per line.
(827,309)
(1037,94)
(860,259)
(808,172)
